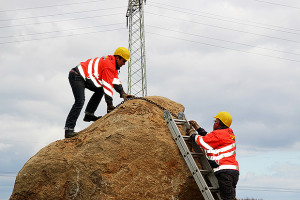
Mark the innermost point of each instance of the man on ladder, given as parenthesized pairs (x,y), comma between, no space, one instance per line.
(220,149)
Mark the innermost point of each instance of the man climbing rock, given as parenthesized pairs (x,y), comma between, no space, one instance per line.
(99,75)
(220,148)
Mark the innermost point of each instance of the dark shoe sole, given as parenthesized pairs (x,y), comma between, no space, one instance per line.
(69,135)
(86,119)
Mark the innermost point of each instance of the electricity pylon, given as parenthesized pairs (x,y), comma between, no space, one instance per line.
(137,82)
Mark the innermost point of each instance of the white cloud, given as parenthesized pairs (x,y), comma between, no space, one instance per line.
(4,147)
(269,180)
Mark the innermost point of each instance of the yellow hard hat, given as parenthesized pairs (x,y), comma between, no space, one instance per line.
(123,52)
(225,117)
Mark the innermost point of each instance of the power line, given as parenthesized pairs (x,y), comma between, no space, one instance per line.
(269,189)
(50,6)
(277,4)
(53,15)
(224,40)
(222,16)
(17,41)
(207,44)
(220,27)
(60,20)
(48,32)
(222,19)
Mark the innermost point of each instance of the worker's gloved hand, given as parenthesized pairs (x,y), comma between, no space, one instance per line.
(191,131)
(192,137)
(127,96)
(110,107)
(194,124)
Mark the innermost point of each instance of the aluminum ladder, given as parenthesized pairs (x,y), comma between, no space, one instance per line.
(204,177)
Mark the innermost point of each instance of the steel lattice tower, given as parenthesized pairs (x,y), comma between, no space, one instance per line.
(137,83)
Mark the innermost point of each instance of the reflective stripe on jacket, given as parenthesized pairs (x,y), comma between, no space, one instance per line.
(102,72)
(220,146)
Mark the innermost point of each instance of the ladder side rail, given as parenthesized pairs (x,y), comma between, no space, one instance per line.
(205,165)
(202,159)
(192,166)
(188,157)
(186,124)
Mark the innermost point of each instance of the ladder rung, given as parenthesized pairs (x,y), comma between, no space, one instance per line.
(203,171)
(197,154)
(180,120)
(204,177)
(186,138)
(213,189)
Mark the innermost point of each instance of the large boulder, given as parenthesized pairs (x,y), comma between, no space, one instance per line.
(127,154)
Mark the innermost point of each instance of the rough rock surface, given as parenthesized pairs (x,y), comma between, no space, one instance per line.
(127,154)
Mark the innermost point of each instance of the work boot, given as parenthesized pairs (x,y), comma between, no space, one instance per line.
(70,133)
(88,118)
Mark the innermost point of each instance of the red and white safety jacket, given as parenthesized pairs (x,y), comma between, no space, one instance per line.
(220,146)
(102,72)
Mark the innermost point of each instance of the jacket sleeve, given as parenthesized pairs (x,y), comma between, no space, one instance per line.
(119,89)
(118,84)
(209,141)
(107,82)
(201,131)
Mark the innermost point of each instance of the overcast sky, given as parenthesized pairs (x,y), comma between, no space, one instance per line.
(209,55)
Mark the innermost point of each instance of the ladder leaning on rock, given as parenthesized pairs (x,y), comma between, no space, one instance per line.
(204,177)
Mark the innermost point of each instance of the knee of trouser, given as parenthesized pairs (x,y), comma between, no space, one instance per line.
(79,103)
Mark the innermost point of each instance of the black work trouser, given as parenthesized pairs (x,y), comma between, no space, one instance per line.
(227,182)
(78,85)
